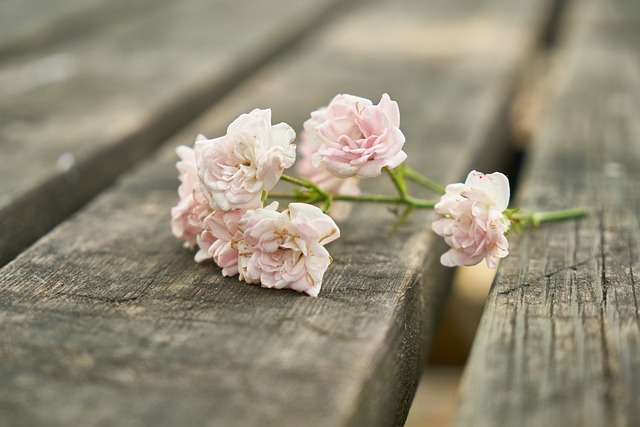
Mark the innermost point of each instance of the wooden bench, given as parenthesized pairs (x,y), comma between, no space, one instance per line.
(559,339)
(106,319)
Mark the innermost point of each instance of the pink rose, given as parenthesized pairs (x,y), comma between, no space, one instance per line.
(187,216)
(223,227)
(322,177)
(474,224)
(357,138)
(286,249)
(234,169)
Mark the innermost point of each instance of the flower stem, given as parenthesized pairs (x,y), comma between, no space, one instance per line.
(369,198)
(402,218)
(423,180)
(297,181)
(376,198)
(287,196)
(537,218)
(398,182)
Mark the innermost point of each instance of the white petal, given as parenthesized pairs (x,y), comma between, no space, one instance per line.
(495,185)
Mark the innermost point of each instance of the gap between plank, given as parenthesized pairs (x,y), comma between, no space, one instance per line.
(505,146)
(504,133)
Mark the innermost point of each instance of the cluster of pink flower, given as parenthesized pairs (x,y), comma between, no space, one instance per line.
(221,208)
(225,182)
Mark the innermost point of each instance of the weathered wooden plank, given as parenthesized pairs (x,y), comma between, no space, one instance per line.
(109,316)
(74,116)
(559,341)
(36,24)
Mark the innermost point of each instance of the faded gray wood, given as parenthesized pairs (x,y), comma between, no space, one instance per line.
(76,114)
(108,320)
(36,24)
(559,341)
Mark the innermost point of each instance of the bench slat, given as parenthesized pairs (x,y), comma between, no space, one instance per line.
(109,315)
(28,25)
(559,340)
(76,115)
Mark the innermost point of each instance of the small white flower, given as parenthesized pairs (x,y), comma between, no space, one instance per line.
(474,224)
(234,169)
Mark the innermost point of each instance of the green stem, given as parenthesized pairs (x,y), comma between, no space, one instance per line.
(402,199)
(286,196)
(369,198)
(422,180)
(402,218)
(537,218)
(298,181)
(398,182)
(327,204)
(375,198)
(316,195)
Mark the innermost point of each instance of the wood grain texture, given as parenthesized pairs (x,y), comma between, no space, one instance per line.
(559,342)
(109,316)
(75,115)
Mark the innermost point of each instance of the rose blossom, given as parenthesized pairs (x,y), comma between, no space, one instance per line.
(357,138)
(223,227)
(187,216)
(286,249)
(474,224)
(322,177)
(234,169)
